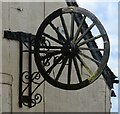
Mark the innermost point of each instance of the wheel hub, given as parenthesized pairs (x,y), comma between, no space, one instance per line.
(70,49)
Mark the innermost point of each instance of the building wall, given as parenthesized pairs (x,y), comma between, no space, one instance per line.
(94,98)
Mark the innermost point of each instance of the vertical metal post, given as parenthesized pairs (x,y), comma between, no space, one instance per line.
(20,73)
(30,71)
(26,76)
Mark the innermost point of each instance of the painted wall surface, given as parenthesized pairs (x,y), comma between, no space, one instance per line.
(94,98)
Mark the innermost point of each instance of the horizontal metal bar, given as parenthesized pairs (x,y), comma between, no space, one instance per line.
(18,36)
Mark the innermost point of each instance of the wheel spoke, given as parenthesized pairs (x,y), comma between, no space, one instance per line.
(79,28)
(52,38)
(61,69)
(55,29)
(91,39)
(69,70)
(84,64)
(85,32)
(77,69)
(86,56)
(65,27)
(96,49)
(72,27)
(54,64)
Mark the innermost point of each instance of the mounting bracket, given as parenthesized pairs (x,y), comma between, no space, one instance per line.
(27,78)
(63,52)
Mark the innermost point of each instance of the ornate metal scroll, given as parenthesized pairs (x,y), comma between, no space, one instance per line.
(29,80)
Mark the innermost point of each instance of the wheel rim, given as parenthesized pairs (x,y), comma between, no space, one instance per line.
(60,56)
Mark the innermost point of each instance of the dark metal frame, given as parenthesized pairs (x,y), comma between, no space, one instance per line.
(70,42)
(27,95)
(27,78)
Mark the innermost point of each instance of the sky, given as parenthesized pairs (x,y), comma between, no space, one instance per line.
(107,13)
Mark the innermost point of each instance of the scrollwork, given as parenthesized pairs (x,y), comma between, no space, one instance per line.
(46,43)
(35,77)
(55,59)
(25,77)
(46,61)
(25,104)
(37,99)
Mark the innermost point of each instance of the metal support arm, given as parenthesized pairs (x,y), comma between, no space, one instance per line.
(29,80)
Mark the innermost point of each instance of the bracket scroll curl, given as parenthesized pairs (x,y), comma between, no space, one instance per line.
(29,80)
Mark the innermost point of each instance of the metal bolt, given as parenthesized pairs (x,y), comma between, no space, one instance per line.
(19,9)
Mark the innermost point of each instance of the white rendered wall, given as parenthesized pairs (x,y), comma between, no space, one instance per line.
(6,85)
(94,98)
(0,37)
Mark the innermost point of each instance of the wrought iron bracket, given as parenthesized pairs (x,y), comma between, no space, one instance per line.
(29,80)
(61,53)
